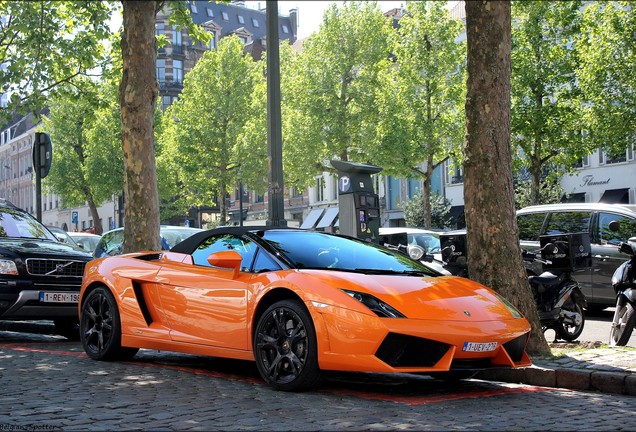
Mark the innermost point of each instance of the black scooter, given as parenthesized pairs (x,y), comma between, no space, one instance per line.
(557,296)
(624,283)
(559,300)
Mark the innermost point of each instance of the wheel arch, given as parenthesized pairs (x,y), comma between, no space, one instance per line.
(272,296)
(92,287)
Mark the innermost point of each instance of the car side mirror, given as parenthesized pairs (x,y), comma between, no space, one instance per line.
(614,226)
(228,259)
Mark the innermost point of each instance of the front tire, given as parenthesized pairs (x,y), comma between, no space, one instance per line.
(623,324)
(100,327)
(285,347)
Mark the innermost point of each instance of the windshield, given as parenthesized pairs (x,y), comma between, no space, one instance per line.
(429,242)
(17,223)
(316,250)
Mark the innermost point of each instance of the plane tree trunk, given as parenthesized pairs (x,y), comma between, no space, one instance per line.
(138,92)
(494,253)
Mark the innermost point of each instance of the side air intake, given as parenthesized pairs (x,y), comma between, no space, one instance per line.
(408,351)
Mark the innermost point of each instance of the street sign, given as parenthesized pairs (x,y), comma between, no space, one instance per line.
(74,217)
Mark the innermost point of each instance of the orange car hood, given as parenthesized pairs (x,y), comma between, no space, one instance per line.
(450,298)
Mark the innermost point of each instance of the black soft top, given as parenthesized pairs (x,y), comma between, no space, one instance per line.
(190,244)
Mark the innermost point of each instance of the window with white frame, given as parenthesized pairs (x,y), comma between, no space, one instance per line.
(454,173)
(607,157)
(210,12)
(226,17)
(241,20)
(255,23)
(177,71)
(320,189)
(176,37)
(285,29)
(193,7)
(161,71)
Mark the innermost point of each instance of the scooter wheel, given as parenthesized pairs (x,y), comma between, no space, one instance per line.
(571,332)
(623,325)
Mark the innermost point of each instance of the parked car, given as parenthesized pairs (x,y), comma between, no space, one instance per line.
(62,235)
(112,241)
(40,277)
(86,241)
(297,302)
(592,218)
(417,243)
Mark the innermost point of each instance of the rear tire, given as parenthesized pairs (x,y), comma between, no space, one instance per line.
(571,332)
(622,325)
(285,347)
(100,327)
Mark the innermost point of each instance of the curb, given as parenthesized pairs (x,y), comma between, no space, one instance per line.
(572,379)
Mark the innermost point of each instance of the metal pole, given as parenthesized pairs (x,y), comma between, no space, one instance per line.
(275,208)
(240,203)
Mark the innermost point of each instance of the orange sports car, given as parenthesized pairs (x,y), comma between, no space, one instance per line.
(298,303)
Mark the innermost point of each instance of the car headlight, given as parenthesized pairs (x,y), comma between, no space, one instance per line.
(8,267)
(376,305)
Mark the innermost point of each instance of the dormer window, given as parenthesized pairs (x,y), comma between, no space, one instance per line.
(285,29)
(241,19)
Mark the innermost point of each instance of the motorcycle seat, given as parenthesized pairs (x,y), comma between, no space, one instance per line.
(545,278)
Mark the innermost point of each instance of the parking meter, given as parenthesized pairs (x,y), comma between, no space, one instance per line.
(359,205)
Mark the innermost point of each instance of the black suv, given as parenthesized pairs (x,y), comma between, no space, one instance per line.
(40,277)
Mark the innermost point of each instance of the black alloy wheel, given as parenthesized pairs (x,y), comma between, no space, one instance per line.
(285,347)
(623,324)
(100,327)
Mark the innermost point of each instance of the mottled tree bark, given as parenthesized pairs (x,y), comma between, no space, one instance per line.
(138,92)
(494,253)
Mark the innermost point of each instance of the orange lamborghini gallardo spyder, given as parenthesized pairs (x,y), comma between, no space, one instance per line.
(298,303)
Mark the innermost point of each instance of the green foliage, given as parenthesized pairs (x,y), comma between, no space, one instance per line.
(550,192)
(422,96)
(440,212)
(545,113)
(333,91)
(180,18)
(46,43)
(85,129)
(608,73)
(205,129)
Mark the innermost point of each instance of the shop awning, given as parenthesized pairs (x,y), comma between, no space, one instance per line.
(573,197)
(312,218)
(327,220)
(615,196)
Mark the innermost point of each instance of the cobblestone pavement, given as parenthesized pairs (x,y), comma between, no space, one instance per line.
(48,383)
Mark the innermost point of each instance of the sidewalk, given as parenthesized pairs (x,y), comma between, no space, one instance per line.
(577,366)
